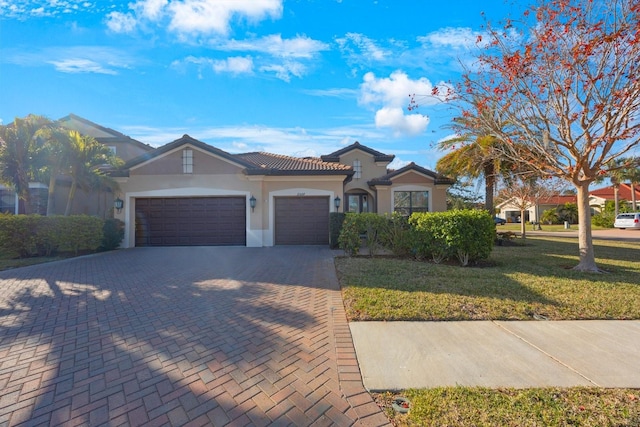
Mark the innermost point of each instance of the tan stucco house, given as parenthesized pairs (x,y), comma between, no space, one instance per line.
(191,193)
(188,192)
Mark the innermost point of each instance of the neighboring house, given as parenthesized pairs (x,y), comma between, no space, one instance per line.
(597,198)
(510,211)
(190,193)
(9,202)
(510,208)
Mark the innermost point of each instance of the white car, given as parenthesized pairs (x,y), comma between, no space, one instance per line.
(627,220)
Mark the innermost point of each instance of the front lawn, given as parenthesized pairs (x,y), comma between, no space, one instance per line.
(464,406)
(534,281)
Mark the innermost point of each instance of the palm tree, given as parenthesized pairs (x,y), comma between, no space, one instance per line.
(474,159)
(618,171)
(55,156)
(18,155)
(632,173)
(86,159)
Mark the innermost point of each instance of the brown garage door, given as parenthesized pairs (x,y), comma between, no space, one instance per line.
(190,221)
(302,220)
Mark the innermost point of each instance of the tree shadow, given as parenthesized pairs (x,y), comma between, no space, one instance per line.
(166,336)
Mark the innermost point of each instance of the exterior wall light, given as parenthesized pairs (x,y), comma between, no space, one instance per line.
(336,202)
(118,204)
(252,203)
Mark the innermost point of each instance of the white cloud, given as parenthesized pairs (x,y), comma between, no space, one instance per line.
(294,141)
(152,10)
(390,95)
(298,47)
(453,38)
(401,123)
(332,93)
(359,46)
(72,59)
(285,70)
(214,16)
(121,22)
(79,65)
(234,65)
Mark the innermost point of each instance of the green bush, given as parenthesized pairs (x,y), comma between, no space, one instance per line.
(335,227)
(370,227)
(32,235)
(112,234)
(550,216)
(467,235)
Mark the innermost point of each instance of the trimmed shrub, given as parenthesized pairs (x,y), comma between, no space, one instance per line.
(467,235)
(335,227)
(112,234)
(31,235)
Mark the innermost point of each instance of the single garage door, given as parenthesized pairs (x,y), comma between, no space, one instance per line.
(302,220)
(191,221)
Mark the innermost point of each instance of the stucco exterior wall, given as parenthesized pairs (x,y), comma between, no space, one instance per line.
(260,221)
(171,164)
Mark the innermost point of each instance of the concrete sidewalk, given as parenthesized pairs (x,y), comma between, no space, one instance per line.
(401,355)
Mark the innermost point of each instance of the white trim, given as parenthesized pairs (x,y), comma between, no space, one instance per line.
(252,238)
(269,235)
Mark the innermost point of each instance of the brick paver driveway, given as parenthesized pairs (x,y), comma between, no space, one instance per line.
(180,336)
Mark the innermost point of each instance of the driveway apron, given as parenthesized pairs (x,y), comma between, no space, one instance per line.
(180,336)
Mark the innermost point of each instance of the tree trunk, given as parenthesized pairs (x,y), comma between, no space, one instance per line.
(489,186)
(72,194)
(523,224)
(616,198)
(50,194)
(633,196)
(585,240)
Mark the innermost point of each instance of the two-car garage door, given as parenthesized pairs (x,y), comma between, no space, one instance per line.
(209,221)
(191,221)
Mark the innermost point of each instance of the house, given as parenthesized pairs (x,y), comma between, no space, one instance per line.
(598,197)
(188,192)
(89,203)
(509,209)
(98,203)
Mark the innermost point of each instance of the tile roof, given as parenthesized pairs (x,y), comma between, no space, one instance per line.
(277,163)
(558,199)
(387,179)
(624,192)
(377,155)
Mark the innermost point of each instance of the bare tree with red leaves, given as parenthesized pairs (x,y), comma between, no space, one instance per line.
(566,80)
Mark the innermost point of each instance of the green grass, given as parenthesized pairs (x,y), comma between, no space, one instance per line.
(515,283)
(9,260)
(464,406)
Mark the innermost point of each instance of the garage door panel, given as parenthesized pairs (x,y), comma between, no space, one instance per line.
(302,220)
(190,221)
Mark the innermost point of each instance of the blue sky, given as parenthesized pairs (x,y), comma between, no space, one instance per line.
(294,77)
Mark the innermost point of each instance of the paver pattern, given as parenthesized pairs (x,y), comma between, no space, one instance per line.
(180,336)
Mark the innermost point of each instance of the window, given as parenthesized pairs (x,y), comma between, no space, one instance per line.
(357,203)
(408,202)
(187,160)
(7,200)
(112,148)
(357,169)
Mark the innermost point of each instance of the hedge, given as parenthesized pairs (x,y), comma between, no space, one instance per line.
(467,235)
(35,235)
